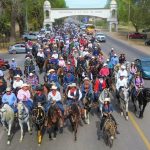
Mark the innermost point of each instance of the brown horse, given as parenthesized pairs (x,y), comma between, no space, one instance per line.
(60,73)
(74,117)
(54,121)
(38,118)
(10,75)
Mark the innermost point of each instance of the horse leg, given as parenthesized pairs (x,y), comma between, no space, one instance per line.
(121,107)
(9,133)
(29,128)
(21,128)
(75,131)
(39,136)
(50,133)
(127,111)
(142,110)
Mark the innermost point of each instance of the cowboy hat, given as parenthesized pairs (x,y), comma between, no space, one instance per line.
(72,85)
(54,87)
(51,70)
(8,89)
(123,67)
(86,79)
(17,76)
(107,99)
(31,74)
(24,84)
(104,64)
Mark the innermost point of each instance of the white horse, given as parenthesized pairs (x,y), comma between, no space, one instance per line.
(7,119)
(124,101)
(23,117)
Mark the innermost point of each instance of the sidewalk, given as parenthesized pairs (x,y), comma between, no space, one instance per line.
(135,43)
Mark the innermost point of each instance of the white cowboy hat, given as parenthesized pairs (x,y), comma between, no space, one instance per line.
(107,59)
(17,76)
(31,74)
(107,99)
(68,63)
(24,84)
(86,78)
(104,64)
(61,57)
(73,85)
(54,87)
(51,70)
(8,89)
(123,67)
(13,58)
(115,54)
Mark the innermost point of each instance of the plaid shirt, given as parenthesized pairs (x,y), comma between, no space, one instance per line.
(32,80)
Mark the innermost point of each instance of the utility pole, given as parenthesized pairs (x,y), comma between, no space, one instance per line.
(129,13)
(26,18)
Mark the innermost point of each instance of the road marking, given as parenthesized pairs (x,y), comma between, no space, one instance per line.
(135,124)
(139,130)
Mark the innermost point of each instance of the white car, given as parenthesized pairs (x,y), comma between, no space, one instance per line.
(100,37)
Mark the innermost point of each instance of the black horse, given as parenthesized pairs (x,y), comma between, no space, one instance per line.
(40,62)
(142,98)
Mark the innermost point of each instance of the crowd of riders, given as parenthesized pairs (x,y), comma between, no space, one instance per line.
(70,65)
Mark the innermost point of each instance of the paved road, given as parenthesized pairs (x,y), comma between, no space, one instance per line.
(87,135)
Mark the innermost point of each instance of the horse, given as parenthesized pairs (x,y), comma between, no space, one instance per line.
(87,108)
(124,96)
(60,73)
(38,118)
(7,119)
(54,121)
(140,101)
(74,117)
(23,117)
(109,131)
(40,62)
(11,74)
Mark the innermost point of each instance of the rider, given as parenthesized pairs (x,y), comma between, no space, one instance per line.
(104,72)
(100,85)
(18,82)
(107,109)
(123,72)
(122,58)
(55,96)
(10,98)
(105,94)
(25,96)
(29,55)
(121,82)
(13,65)
(114,60)
(138,83)
(39,98)
(87,89)
(133,71)
(32,80)
(61,62)
(74,95)
(69,68)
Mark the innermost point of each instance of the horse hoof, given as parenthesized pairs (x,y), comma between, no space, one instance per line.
(20,140)
(54,138)
(8,142)
(39,144)
(127,117)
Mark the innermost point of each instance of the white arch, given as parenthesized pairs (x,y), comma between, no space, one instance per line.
(61,13)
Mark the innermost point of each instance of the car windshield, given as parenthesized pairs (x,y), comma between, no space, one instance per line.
(145,63)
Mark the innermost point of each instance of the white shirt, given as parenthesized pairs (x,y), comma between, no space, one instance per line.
(40,54)
(56,98)
(120,83)
(1,73)
(17,84)
(70,96)
(122,73)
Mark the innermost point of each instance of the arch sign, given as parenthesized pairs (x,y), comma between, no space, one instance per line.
(50,14)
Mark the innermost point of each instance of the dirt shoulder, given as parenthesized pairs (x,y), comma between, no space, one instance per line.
(135,43)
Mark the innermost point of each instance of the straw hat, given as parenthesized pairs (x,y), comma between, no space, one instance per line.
(107,99)
(31,74)
(73,85)
(8,89)
(86,79)
(17,76)
(24,84)
(51,70)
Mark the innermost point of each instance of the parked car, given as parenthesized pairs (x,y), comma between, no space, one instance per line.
(4,64)
(146,30)
(100,37)
(147,42)
(18,48)
(143,66)
(137,35)
(30,36)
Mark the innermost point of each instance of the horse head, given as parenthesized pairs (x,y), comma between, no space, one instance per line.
(125,94)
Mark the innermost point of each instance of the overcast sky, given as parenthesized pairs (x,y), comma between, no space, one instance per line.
(86,3)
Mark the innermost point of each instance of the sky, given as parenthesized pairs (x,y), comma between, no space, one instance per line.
(86,3)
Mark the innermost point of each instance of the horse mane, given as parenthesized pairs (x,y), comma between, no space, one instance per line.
(75,109)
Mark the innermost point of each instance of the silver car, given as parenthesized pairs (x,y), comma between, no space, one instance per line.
(18,48)
(100,37)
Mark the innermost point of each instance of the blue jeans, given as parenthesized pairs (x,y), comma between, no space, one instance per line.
(28,104)
(14,108)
